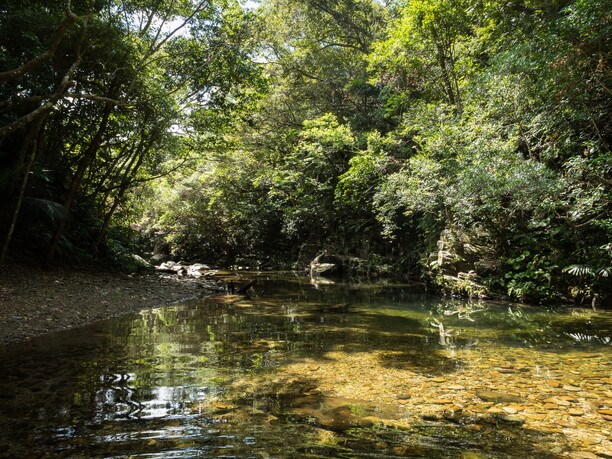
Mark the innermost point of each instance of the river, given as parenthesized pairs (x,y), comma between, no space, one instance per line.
(297,369)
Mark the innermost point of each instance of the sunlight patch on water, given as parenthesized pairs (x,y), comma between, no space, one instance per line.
(297,371)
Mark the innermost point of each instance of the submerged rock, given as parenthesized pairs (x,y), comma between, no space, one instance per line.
(508,419)
(170,267)
(339,414)
(497,397)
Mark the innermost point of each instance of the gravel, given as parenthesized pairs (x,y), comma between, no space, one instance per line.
(34,302)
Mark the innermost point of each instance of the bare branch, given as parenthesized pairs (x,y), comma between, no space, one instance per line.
(156,46)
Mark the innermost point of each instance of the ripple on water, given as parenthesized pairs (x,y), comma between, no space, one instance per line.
(294,371)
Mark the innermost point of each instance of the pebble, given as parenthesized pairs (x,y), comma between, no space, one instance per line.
(510,419)
(495,410)
(553,383)
(571,388)
(510,410)
(584,455)
(558,401)
(470,455)
(506,370)
(456,387)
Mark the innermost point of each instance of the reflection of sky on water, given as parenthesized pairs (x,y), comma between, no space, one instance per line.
(124,399)
(172,401)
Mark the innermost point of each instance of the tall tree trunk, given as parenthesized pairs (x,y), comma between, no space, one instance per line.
(87,159)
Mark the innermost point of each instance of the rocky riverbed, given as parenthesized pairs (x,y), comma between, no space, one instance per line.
(493,397)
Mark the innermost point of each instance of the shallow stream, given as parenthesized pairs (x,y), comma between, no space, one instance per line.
(296,369)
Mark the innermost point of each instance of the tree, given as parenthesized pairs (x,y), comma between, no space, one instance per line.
(425,50)
(140,68)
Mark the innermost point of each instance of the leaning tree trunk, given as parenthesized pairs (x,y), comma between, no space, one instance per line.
(130,172)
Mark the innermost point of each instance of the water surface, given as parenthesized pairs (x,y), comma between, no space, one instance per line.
(303,370)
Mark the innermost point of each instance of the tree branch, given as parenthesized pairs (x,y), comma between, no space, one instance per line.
(65,84)
(118,102)
(69,19)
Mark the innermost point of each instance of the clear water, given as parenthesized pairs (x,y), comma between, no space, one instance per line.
(304,370)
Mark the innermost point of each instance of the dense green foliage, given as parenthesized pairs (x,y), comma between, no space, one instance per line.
(300,126)
(93,97)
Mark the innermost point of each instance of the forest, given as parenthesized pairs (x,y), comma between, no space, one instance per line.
(463,143)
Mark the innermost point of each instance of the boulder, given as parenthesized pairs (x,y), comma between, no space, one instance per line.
(459,262)
(197,270)
(170,267)
(158,258)
(326,266)
(324,270)
(140,262)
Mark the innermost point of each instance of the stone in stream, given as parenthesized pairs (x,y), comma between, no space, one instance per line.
(456,387)
(509,419)
(326,266)
(571,388)
(558,401)
(583,455)
(497,397)
(339,414)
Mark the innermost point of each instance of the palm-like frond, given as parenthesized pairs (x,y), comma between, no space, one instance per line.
(583,271)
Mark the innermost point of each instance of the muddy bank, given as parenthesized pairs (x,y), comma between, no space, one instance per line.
(34,302)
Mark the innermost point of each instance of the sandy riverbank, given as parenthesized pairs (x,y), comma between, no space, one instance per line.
(34,302)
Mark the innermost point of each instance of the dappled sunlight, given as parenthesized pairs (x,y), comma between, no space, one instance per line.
(342,371)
